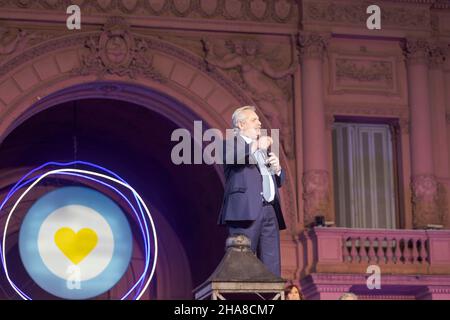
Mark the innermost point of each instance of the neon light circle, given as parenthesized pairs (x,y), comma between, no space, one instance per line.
(75,243)
(105,178)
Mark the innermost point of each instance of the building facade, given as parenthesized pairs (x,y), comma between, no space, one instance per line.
(363,118)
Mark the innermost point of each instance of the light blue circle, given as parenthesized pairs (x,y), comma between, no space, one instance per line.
(110,211)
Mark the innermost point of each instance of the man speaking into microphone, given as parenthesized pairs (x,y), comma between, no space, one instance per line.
(251,203)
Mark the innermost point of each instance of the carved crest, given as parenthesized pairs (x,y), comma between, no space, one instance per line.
(118,52)
(116,44)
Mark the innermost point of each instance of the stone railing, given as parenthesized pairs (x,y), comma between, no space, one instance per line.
(343,250)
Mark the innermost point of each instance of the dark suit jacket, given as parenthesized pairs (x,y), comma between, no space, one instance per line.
(243,185)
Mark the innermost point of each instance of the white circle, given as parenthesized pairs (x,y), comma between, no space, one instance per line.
(75,217)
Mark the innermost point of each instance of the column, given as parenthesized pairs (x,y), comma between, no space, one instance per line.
(406,220)
(315,164)
(423,181)
(438,53)
(446,68)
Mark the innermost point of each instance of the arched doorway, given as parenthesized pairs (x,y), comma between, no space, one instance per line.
(82,122)
(59,70)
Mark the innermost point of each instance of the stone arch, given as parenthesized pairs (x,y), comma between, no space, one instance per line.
(29,78)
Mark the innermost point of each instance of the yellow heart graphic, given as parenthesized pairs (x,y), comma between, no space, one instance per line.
(76,246)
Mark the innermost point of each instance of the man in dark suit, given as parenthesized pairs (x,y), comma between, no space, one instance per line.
(251,203)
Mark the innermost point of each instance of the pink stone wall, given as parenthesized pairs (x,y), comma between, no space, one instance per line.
(310,64)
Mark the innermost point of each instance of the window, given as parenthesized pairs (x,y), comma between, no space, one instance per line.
(363,165)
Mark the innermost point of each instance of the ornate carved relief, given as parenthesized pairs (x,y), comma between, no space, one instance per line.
(108,51)
(11,39)
(355,13)
(438,54)
(117,52)
(370,75)
(312,45)
(316,194)
(14,40)
(423,51)
(254,72)
(275,11)
(363,71)
(416,51)
(425,201)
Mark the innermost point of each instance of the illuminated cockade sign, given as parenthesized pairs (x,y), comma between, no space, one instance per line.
(75,242)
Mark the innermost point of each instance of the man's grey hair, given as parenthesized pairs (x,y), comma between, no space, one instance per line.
(238,116)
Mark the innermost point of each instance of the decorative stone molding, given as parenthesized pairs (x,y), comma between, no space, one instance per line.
(354,13)
(424,197)
(416,51)
(365,75)
(14,40)
(312,45)
(397,111)
(272,11)
(128,48)
(11,39)
(254,71)
(373,71)
(117,52)
(438,53)
(433,53)
(316,194)
(153,44)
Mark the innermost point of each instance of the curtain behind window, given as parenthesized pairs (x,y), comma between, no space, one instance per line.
(363,176)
